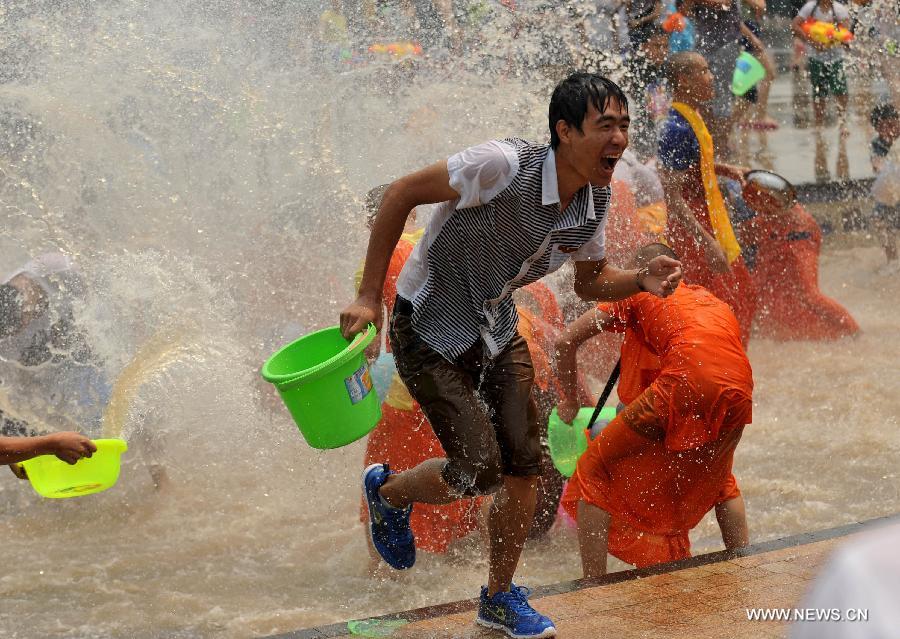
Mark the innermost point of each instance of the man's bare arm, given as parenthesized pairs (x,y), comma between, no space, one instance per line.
(68,446)
(589,324)
(599,281)
(428,186)
(672,182)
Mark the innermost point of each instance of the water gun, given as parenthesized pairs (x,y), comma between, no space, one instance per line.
(397,49)
(675,22)
(826,33)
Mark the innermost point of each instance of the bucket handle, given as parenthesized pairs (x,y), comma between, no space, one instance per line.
(359,342)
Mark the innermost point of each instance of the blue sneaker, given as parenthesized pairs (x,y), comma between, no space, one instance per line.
(391,534)
(511,613)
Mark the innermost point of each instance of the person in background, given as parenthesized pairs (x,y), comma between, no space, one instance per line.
(718,36)
(45,354)
(886,192)
(665,460)
(649,82)
(681,30)
(752,42)
(751,108)
(649,197)
(59,382)
(333,35)
(697,224)
(781,244)
(642,20)
(884,50)
(862,67)
(886,123)
(826,75)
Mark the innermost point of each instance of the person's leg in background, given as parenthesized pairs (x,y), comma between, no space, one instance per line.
(890,68)
(800,85)
(818,82)
(763,88)
(744,106)
(838,87)
(721,63)
(763,121)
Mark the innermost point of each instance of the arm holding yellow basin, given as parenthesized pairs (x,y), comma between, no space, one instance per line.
(68,446)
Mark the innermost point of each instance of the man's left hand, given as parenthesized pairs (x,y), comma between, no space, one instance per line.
(661,276)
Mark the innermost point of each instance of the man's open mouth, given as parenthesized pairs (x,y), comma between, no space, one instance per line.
(609,161)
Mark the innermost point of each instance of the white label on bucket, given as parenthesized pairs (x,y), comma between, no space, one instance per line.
(359,384)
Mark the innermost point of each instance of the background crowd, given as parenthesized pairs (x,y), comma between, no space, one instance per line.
(629,41)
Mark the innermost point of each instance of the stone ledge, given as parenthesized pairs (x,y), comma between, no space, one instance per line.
(706,591)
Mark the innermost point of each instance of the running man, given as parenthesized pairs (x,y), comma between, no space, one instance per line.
(511,212)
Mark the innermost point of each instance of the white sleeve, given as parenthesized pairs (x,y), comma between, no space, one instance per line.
(806,10)
(594,249)
(480,172)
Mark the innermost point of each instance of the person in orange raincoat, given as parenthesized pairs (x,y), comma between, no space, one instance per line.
(698,227)
(665,460)
(782,243)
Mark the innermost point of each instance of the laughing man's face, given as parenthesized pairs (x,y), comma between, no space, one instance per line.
(601,142)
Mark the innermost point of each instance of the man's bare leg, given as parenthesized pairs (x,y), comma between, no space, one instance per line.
(821,157)
(423,484)
(593,538)
(509,521)
(842,170)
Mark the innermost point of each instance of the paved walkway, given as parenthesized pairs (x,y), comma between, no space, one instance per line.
(703,597)
(695,603)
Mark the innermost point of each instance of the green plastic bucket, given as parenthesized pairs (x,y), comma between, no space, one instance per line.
(567,442)
(324,381)
(748,71)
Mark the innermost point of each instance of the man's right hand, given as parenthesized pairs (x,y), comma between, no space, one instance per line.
(356,317)
(70,447)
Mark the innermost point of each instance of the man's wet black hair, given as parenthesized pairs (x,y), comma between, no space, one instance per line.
(570,100)
(10,310)
(882,112)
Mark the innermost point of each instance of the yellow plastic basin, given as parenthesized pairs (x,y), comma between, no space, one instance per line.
(52,477)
